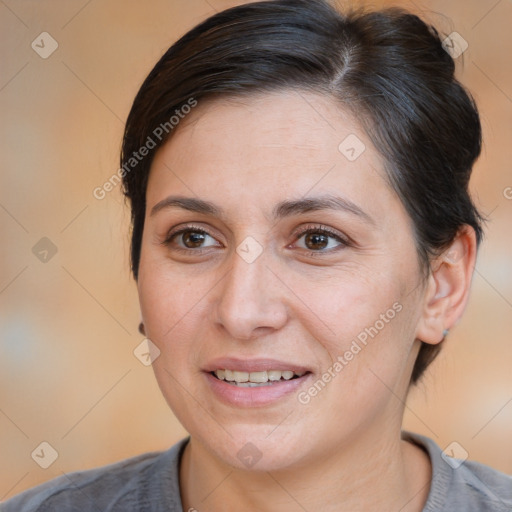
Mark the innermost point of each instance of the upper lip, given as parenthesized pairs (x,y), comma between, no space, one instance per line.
(253,365)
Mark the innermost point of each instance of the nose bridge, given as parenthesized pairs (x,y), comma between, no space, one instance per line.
(250,298)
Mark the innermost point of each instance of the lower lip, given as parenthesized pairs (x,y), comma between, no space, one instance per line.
(255,396)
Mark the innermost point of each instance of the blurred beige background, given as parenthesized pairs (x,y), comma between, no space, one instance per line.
(68,325)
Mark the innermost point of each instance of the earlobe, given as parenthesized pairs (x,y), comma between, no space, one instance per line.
(448,287)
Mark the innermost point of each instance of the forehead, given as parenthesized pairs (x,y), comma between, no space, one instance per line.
(295,122)
(267,146)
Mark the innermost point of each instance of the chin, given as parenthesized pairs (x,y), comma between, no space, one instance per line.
(256,447)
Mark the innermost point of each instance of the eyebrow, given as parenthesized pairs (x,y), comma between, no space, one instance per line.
(283,209)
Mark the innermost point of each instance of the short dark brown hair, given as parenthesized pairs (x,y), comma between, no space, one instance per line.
(387,67)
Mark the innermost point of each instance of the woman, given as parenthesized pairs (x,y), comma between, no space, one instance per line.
(303,240)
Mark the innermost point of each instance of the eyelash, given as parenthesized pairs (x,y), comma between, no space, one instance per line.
(344,242)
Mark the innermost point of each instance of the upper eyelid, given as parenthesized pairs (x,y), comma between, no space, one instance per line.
(300,231)
(321,228)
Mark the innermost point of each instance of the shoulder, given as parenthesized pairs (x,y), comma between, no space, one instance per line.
(463,484)
(144,482)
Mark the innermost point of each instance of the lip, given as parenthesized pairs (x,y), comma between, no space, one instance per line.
(253,396)
(253,365)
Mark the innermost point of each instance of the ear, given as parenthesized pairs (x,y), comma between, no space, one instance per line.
(448,287)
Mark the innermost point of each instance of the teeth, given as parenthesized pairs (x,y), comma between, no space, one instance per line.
(274,375)
(241,376)
(252,379)
(258,377)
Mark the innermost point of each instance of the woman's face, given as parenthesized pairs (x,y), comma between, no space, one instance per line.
(303,260)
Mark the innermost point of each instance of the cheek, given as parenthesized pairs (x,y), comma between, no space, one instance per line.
(166,299)
(363,324)
(347,303)
(171,306)
(174,309)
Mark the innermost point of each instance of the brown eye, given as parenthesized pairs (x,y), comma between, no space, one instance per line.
(321,240)
(316,241)
(189,239)
(192,239)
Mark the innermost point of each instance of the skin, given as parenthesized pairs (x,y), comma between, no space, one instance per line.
(342,451)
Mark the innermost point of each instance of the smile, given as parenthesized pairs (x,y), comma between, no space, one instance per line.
(255,379)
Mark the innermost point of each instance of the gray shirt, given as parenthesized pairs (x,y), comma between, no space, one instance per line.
(150,482)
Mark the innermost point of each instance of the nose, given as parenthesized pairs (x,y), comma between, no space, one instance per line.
(252,299)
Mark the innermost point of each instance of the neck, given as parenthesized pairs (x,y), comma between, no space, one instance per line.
(372,472)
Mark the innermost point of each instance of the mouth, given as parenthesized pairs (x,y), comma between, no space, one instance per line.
(251,383)
(243,379)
